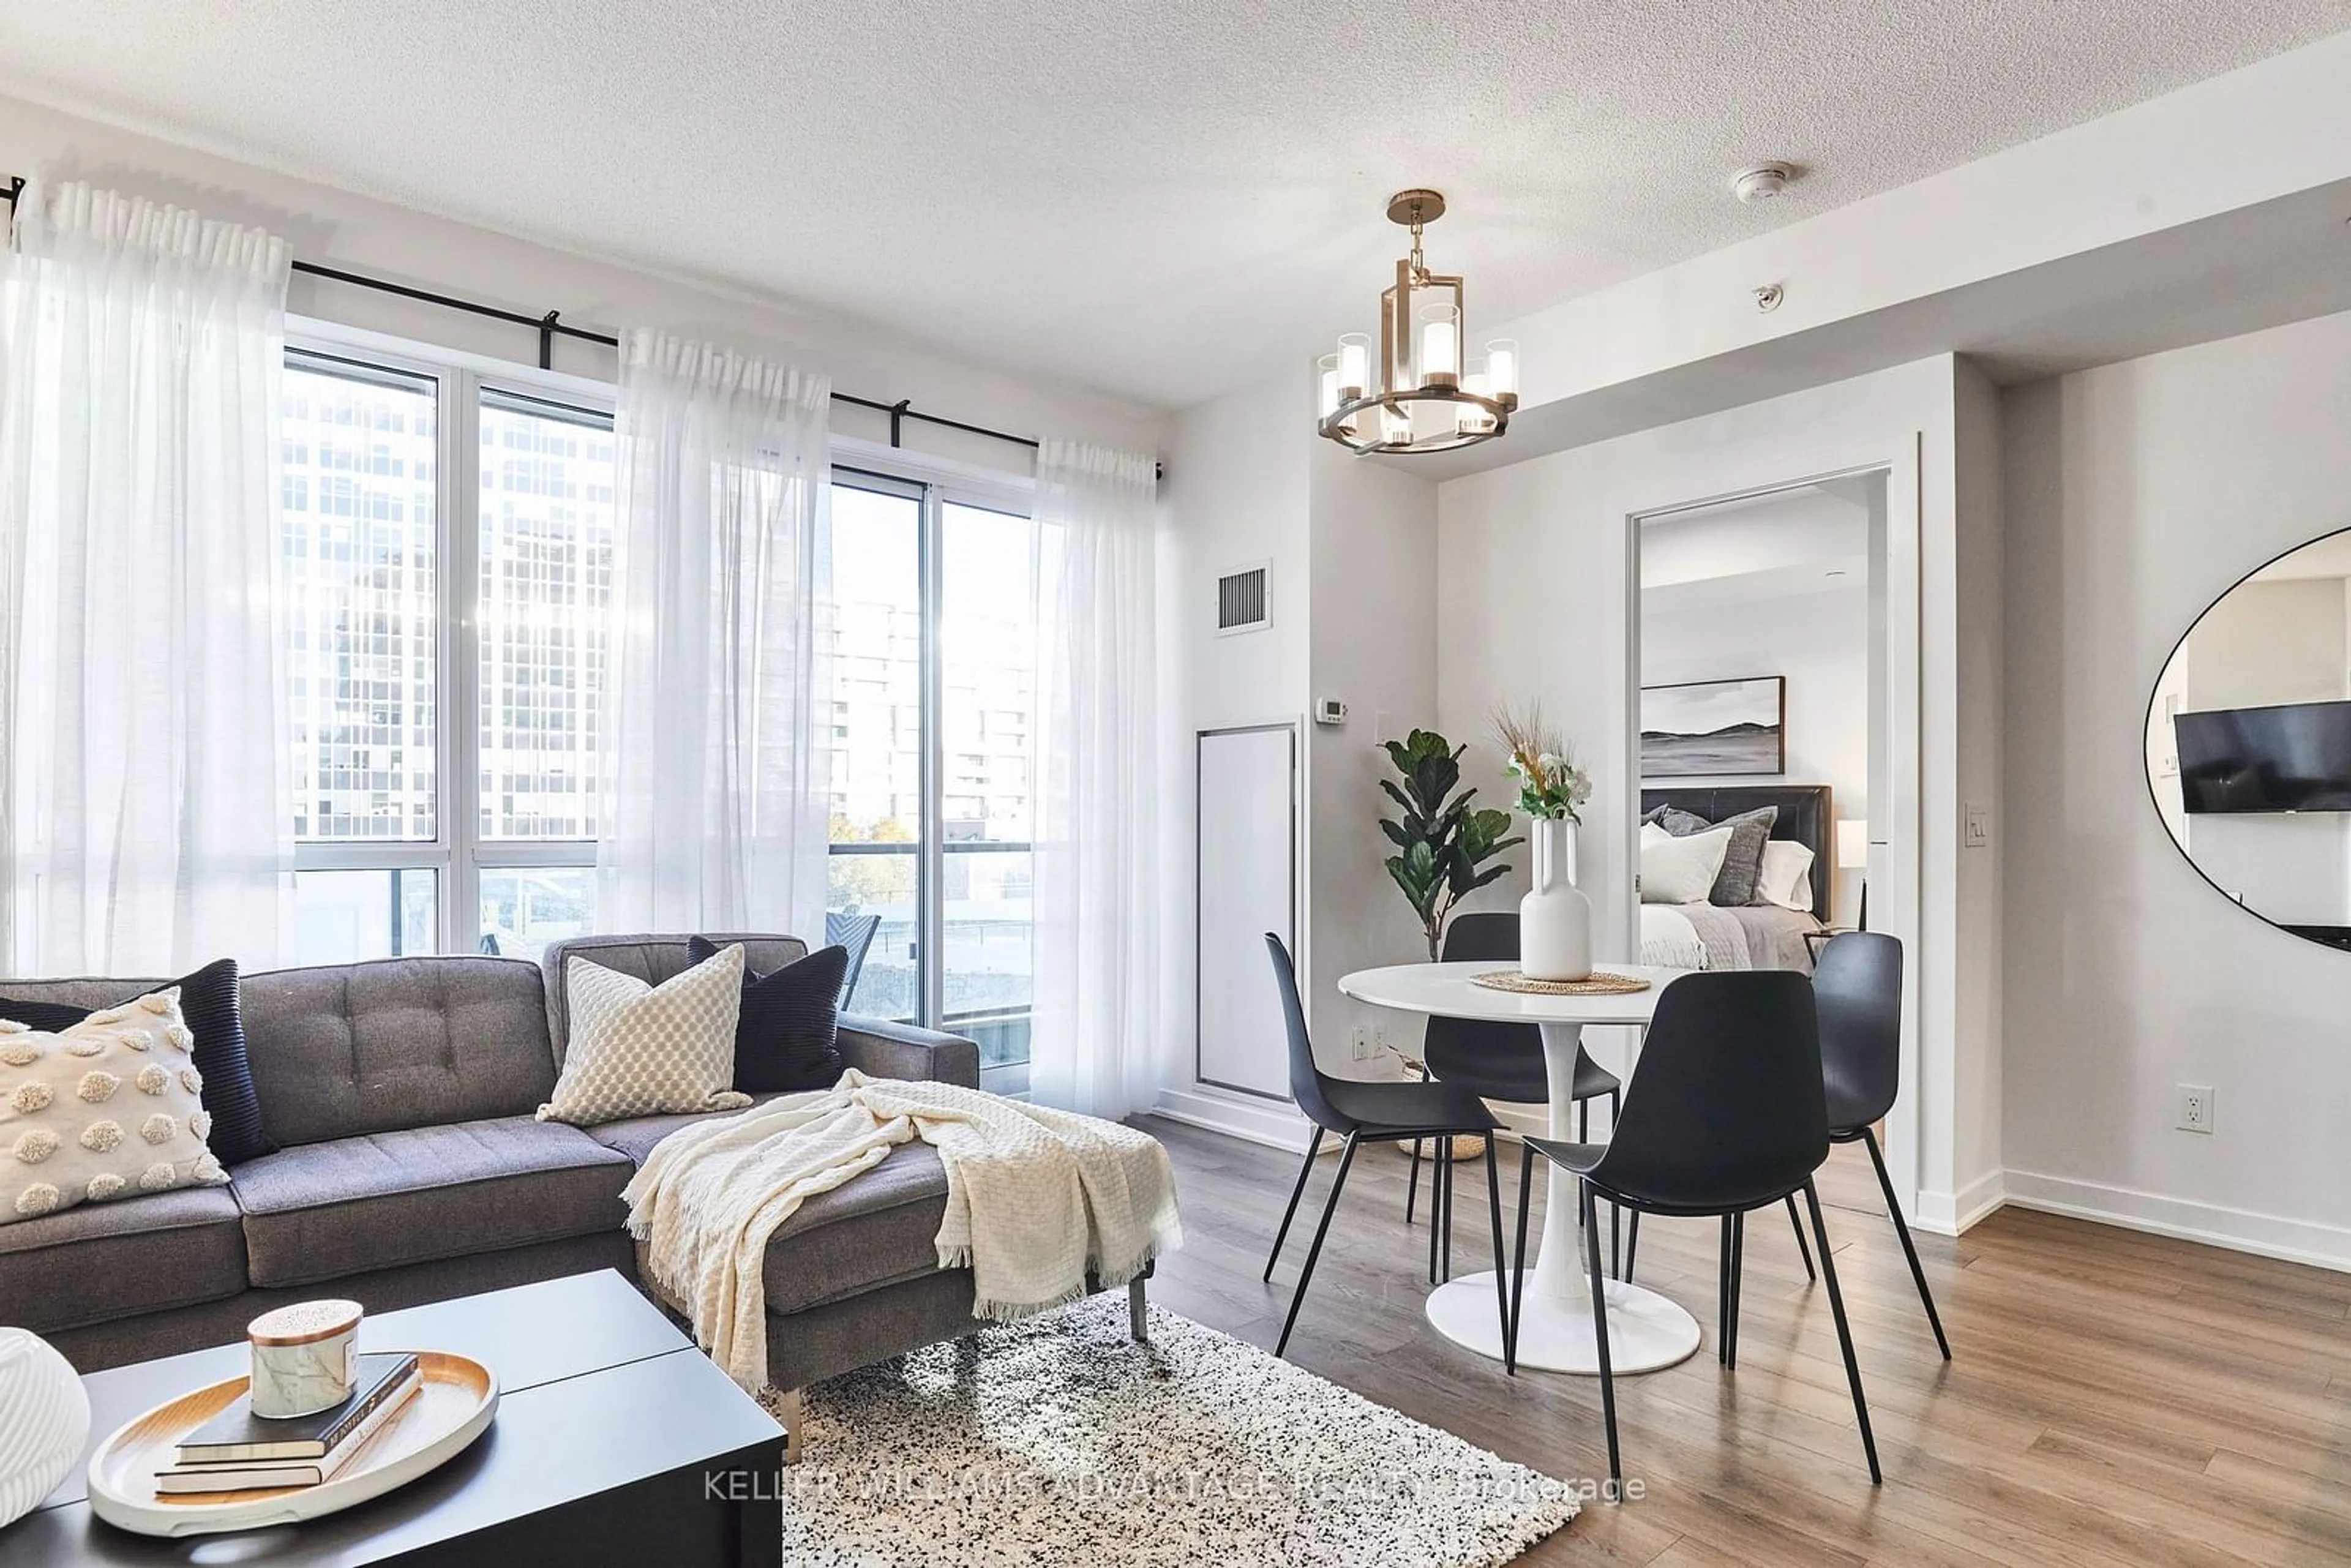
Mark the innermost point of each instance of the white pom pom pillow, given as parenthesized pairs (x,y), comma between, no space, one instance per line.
(109,1108)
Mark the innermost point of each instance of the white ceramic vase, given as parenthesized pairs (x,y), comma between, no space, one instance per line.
(44,1420)
(1555,918)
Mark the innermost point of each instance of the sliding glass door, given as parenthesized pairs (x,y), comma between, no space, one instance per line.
(934,716)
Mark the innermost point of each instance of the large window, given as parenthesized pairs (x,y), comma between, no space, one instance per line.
(448,547)
(448,550)
(934,711)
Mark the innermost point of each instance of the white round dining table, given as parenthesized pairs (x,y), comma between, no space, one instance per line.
(1646,1331)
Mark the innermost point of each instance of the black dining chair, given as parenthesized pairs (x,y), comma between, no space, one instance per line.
(1857,986)
(1725,1115)
(1495,1060)
(1362,1114)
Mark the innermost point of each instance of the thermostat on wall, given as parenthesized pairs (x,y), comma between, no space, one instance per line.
(1329,710)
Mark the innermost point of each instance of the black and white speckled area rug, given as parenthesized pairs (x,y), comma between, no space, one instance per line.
(1061,1441)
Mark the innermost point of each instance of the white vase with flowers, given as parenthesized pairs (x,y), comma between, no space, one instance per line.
(1554,918)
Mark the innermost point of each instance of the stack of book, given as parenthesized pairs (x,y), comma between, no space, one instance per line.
(237,1450)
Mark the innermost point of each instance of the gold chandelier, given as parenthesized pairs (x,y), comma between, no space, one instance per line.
(1429,397)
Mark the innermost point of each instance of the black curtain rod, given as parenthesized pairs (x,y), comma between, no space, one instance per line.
(551,327)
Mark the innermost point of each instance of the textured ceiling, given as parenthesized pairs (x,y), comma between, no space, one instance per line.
(1156,199)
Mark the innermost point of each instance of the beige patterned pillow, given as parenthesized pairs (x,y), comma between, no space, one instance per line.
(108,1108)
(640,1049)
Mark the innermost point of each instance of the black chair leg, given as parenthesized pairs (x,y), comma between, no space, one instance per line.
(1412,1185)
(1435,1205)
(1722,1296)
(1804,1247)
(1494,1213)
(1616,1214)
(1632,1246)
(1518,1261)
(1290,1213)
(1737,1272)
(1600,1327)
(1583,1135)
(1444,1268)
(1934,1319)
(1330,1206)
(1844,1330)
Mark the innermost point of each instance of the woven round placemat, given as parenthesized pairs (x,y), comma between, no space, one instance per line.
(1601,984)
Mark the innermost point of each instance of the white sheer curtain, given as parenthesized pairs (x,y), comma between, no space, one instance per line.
(718,768)
(145,795)
(1091,1046)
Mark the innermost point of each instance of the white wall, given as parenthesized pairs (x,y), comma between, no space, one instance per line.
(1373,646)
(357,234)
(1235,493)
(1534,601)
(2135,494)
(2268,643)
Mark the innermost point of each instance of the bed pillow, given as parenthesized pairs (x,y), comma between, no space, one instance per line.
(109,1106)
(1787,878)
(1680,870)
(1734,883)
(644,1050)
(785,1038)
(208,1005)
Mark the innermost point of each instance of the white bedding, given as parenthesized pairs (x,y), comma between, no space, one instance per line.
(1668,939)
(1707,937)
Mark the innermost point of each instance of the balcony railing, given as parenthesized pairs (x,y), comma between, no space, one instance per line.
(987,934)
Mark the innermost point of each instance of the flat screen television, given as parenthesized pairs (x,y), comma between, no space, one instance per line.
(2295,756)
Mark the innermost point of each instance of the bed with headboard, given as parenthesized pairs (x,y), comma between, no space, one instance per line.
(1752,936)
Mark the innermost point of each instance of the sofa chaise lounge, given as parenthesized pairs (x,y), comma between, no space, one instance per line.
(410,1169)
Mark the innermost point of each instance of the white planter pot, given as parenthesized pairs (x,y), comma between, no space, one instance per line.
(1555,919)
(43,1419)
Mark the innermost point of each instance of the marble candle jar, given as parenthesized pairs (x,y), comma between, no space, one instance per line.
(305,1357)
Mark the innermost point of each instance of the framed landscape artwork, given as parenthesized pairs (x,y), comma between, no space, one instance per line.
(1714,729)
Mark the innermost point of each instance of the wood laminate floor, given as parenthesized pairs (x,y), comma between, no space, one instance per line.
(2115,1398)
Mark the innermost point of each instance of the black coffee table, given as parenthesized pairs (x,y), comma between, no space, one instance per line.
(616,1441)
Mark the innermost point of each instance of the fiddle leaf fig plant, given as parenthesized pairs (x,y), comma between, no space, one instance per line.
(1442,843)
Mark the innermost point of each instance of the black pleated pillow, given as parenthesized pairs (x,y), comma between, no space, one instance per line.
(786,1036)
(208,1002)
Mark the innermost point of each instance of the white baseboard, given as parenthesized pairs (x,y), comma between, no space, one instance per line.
(2239,1229)
(1274,1123)
(1949,1214)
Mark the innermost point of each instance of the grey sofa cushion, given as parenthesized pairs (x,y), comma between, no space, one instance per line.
(879,1229)
(100,1261)
(327,1210)
(636,1135)
(652,959)
(401,1042)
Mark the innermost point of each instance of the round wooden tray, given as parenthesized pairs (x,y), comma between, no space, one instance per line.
(453,1408)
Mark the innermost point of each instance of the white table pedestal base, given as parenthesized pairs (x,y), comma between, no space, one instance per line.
(1646,1331)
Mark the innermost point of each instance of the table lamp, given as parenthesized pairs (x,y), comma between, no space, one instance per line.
(1853,854)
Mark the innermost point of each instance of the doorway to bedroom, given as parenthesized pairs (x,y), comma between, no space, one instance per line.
(1760,654)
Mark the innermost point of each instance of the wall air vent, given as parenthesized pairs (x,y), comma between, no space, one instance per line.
(1242,604)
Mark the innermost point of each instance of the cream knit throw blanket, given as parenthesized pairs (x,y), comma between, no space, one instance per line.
(1036,1199)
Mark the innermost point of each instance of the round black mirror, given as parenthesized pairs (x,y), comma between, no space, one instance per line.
(2249,742)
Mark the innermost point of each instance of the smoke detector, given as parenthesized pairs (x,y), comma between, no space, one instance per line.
(1762,182)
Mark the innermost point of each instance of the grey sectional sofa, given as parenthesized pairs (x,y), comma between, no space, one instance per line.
(410,1169)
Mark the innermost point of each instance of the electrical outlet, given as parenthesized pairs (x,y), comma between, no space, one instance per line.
(2195,1108)
(1360,1039)
(1977,828)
